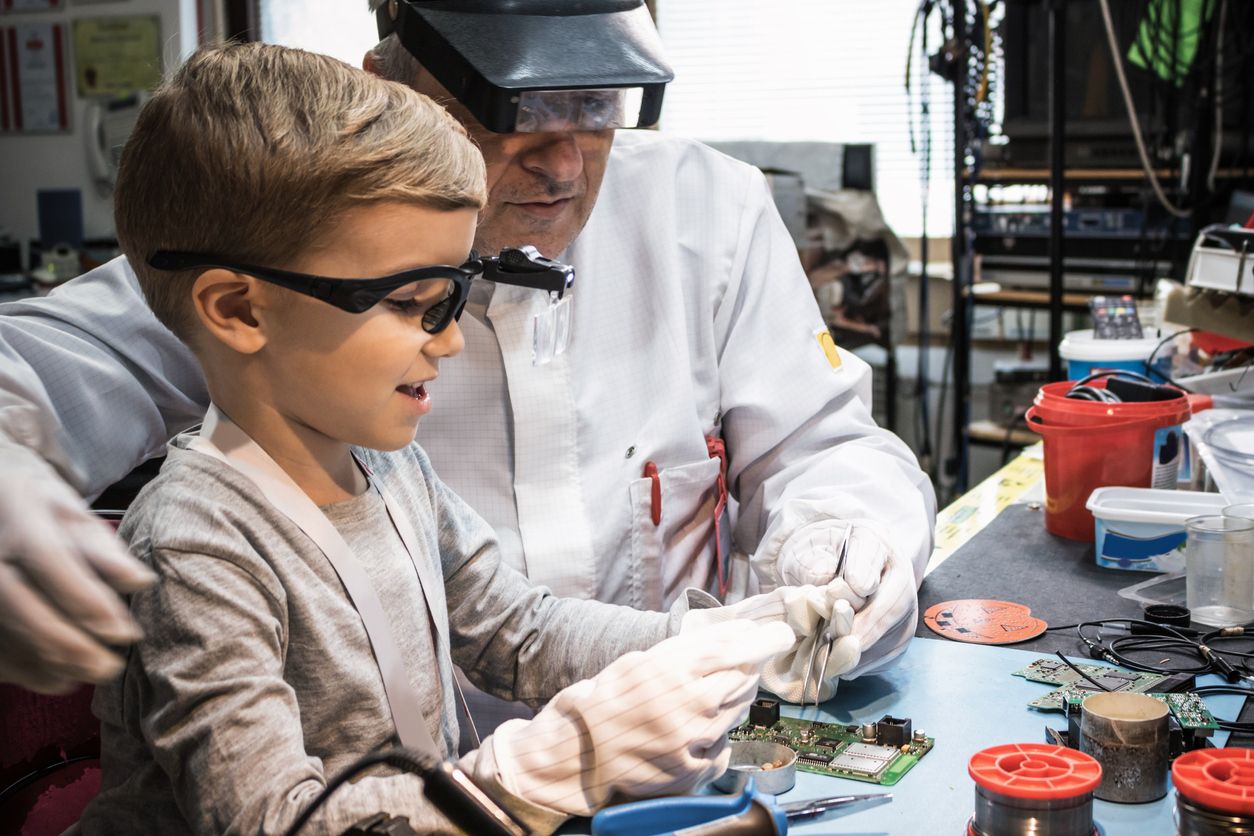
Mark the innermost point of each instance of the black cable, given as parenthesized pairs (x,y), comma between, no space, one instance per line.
(1227,690)
(467,806)
(383,756)
(1149,363)
(1079,672)
(1020,417)
(1153,637)
(34,775)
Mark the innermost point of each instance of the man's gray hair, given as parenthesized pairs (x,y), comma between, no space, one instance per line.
(391,59)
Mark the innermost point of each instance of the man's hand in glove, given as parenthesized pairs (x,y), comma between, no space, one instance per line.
(652,723)
(61,571)
(855,563)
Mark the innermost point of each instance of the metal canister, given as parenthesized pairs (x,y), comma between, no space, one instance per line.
(773,767)
(1128,735)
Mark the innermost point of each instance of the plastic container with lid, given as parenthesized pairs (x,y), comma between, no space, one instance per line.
(1215,790)
(1143,528)
(1086,354)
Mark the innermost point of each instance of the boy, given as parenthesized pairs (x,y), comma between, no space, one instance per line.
(313,594)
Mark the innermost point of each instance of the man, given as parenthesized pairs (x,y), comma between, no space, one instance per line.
(701,430)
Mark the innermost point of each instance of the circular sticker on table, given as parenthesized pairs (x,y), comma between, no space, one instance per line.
(981,621)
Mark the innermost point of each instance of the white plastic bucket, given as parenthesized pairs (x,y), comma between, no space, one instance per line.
(1143,528)
(1085,354)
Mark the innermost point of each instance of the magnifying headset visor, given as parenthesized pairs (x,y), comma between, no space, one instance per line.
(531,66)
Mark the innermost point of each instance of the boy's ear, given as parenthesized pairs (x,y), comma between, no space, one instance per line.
(224,302)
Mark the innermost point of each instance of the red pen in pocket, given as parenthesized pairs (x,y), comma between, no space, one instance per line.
(650,472)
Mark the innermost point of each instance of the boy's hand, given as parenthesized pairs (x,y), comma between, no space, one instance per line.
(61,571)
(652,723)
(814,614)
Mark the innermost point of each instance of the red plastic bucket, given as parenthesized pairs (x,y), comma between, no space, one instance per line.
(1087,449)
(1055,407)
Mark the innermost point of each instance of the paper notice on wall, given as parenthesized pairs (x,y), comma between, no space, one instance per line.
(35,72)
(30,5)
(117,56)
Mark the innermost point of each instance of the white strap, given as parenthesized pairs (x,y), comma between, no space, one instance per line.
(223,440)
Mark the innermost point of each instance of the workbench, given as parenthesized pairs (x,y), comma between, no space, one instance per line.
(964,695)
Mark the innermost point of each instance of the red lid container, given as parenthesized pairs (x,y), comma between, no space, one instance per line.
(1218,779)
(1035,771)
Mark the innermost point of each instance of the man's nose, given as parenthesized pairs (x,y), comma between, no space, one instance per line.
(557,157)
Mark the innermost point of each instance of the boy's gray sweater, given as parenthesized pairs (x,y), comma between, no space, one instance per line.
(255,682)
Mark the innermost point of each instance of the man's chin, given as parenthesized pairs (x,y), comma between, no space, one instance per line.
(549,242)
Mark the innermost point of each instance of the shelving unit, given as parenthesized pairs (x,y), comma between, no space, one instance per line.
(1052,259)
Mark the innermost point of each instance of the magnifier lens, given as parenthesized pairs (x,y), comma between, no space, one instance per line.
(542,111)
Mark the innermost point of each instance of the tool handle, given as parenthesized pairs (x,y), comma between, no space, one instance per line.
(748,814)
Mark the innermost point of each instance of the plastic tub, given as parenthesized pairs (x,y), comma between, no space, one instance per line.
(1142,528)
(1086,354)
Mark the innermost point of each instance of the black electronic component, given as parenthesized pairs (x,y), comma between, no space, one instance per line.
(815,758)
(893,731)
(764,712)
(830,742)
(1170,614)
(1177,684)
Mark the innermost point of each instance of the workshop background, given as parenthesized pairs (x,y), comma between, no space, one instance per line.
(849,108)
(993,199)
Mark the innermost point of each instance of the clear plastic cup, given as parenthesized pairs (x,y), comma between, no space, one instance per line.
(1243,511)
(1219,570)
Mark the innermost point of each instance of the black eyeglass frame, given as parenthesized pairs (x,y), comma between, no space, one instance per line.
(352,295)
(521,266)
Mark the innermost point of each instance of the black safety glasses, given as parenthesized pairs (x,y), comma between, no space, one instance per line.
(438,291)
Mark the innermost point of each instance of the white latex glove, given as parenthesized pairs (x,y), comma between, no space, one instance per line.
(884,626)
(806,610)
(61,570)
(879,585)
(652,723)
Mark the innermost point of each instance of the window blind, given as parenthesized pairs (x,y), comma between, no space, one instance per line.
(817,70)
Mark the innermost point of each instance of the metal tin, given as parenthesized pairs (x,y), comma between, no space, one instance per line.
(750,759)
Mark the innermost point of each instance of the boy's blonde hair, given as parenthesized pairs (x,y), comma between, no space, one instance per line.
(250,151)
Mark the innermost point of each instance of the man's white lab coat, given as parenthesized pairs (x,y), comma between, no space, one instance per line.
(691,318)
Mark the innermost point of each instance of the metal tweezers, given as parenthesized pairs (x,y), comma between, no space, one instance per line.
(825,636)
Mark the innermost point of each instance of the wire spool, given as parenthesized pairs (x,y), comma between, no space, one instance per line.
(1214,792)
(1033,789)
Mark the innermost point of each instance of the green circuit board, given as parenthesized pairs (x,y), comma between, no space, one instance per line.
(1188,708)
(1054,672)
(842,751)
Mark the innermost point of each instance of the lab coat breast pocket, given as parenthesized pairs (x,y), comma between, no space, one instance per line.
(679,551)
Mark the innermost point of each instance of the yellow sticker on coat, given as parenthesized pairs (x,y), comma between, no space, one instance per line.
(829,347)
